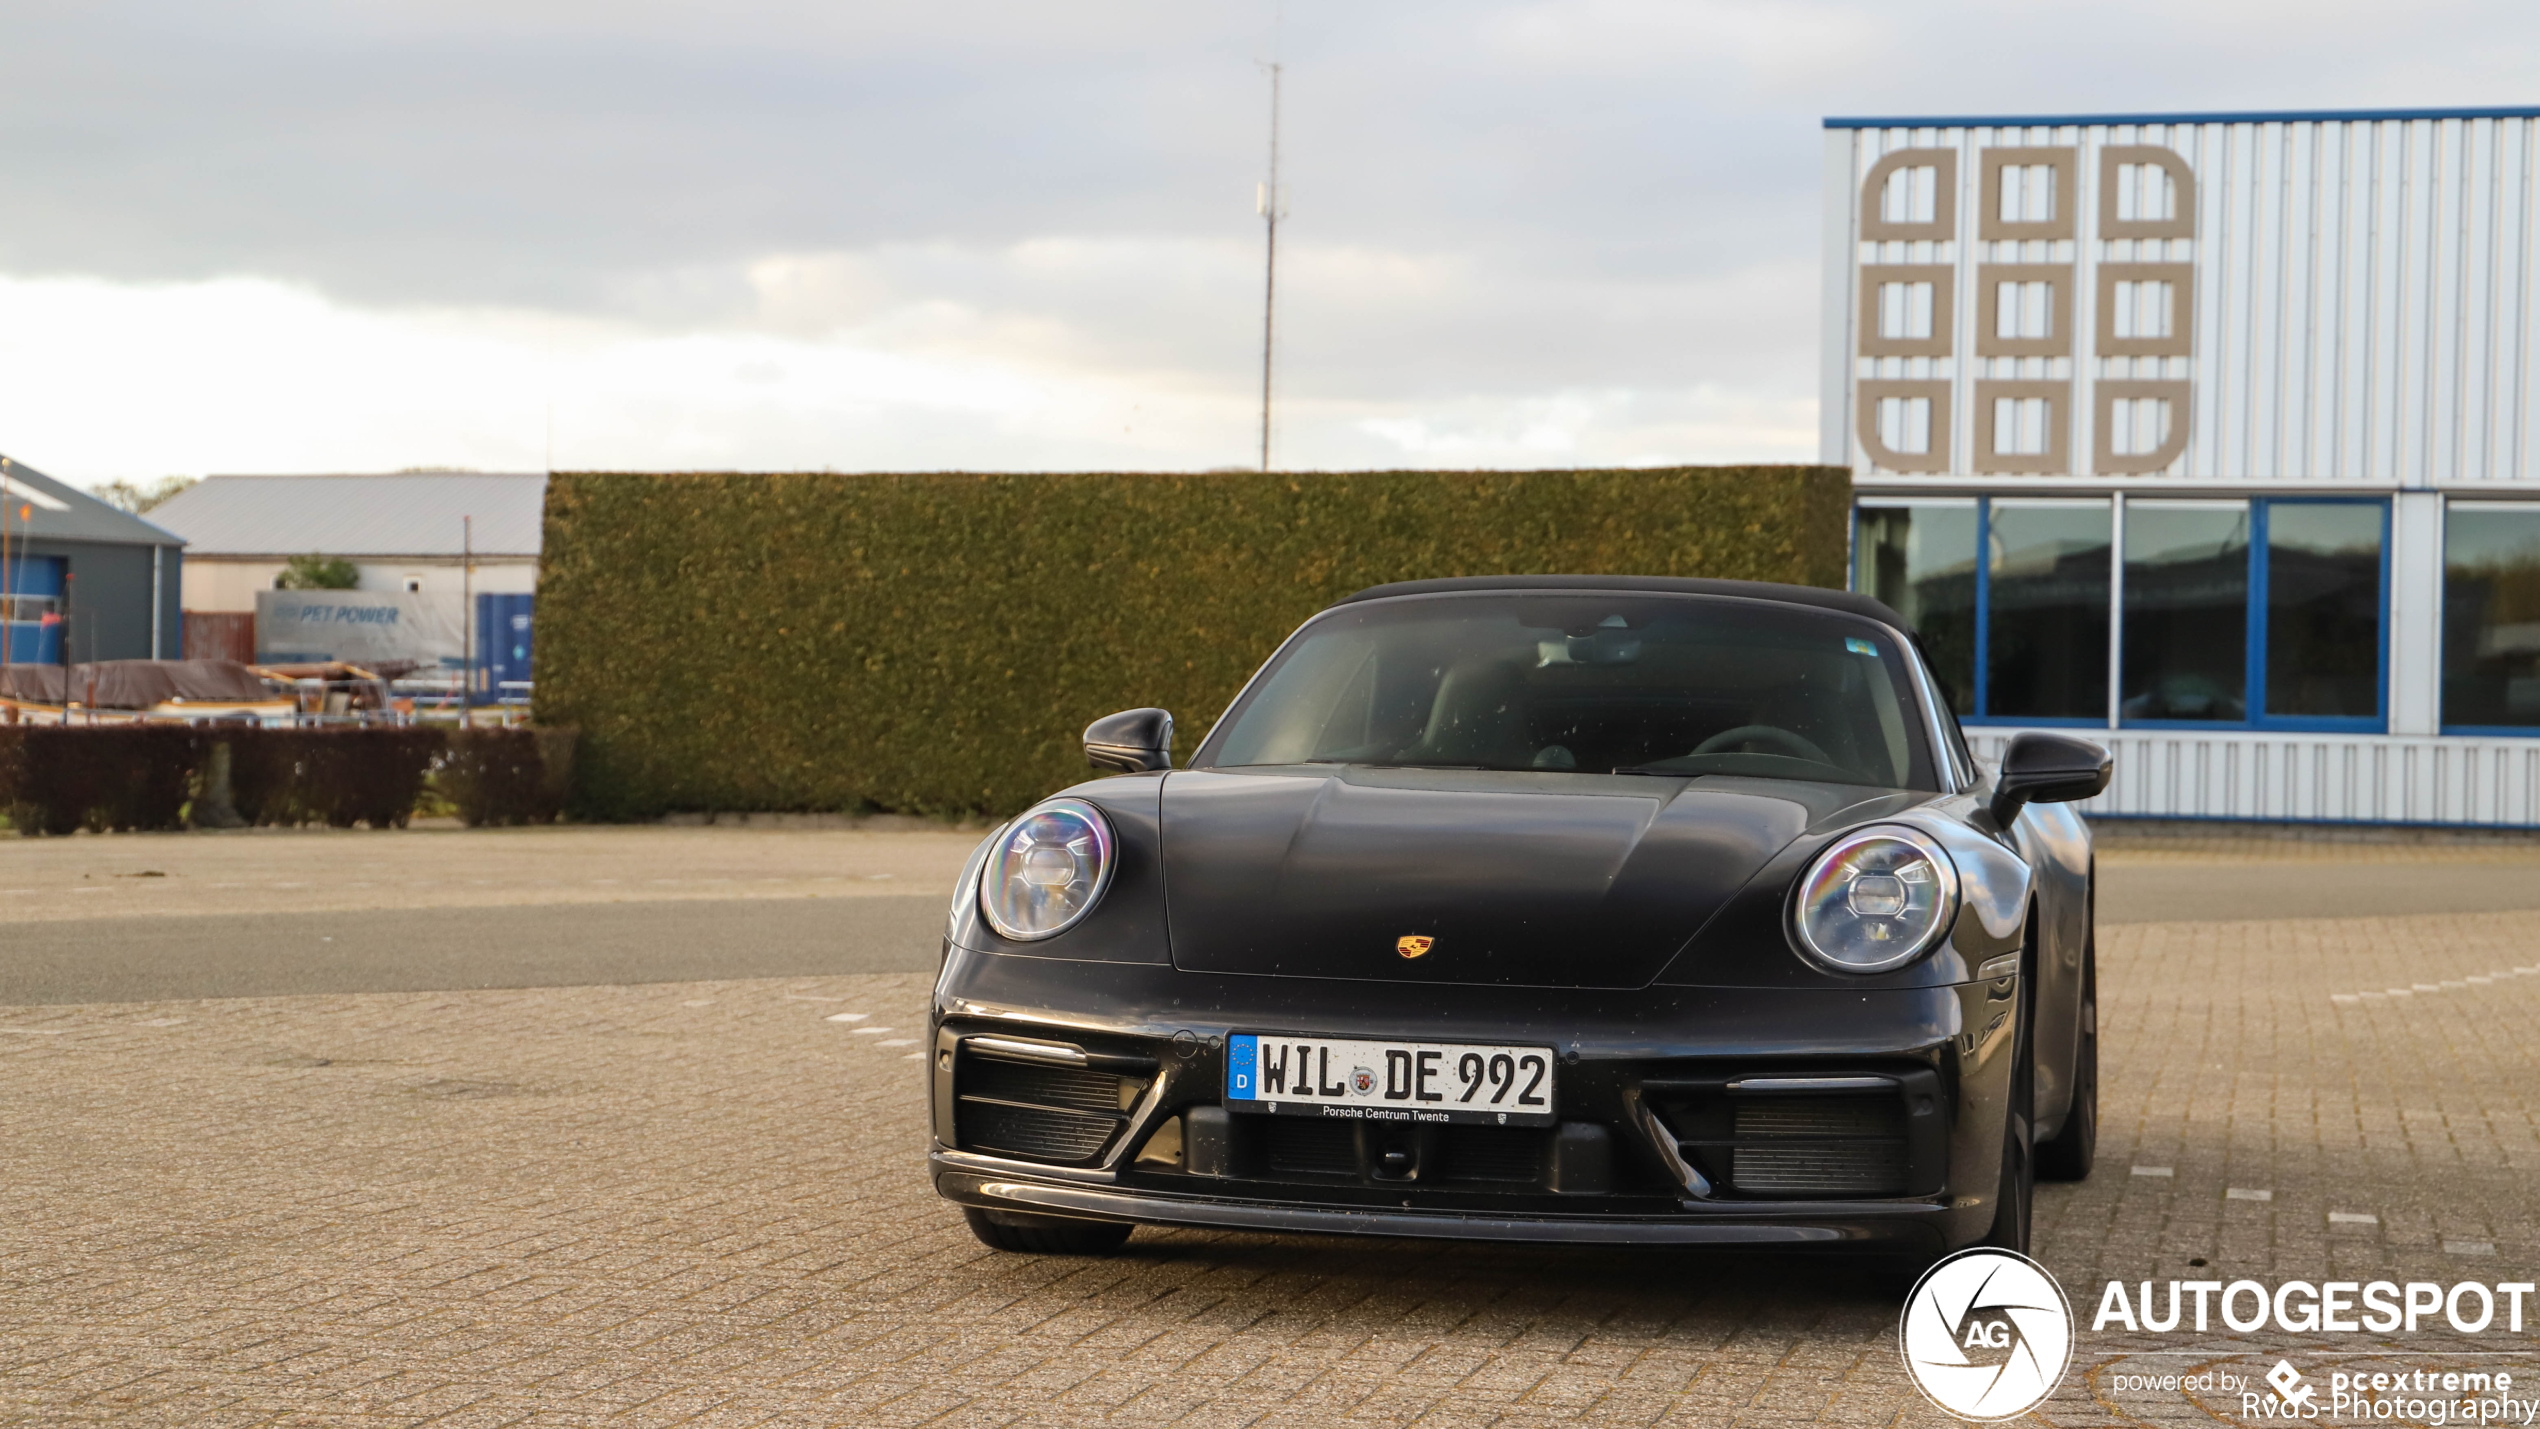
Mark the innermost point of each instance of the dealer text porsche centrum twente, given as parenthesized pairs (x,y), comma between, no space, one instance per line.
(1580,909)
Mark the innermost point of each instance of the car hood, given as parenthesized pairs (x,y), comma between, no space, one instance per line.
(1550,879)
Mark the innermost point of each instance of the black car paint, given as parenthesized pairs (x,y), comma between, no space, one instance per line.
(1649,931)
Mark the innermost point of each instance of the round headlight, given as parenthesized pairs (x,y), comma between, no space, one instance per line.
(1876,899)
(1047,870)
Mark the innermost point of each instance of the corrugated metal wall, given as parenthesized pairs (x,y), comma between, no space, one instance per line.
(2376,779)
(2362,304)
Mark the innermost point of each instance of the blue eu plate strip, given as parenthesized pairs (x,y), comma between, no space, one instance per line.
(1241,1054)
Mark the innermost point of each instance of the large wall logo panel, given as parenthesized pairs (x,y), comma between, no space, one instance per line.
(2077,301)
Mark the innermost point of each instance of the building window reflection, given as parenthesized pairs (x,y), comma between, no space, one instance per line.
(2323,625)
(2046,599)
(2491,616)
(2186,610)
(1920,558)
(2023,637)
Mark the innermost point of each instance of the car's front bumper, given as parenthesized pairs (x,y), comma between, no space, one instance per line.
(1643,1072)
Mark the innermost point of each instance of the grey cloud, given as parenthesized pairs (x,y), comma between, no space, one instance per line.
(1492,200)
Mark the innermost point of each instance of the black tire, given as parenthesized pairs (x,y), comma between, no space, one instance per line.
(1045,1235)
(2013,1196)
(2075,1147)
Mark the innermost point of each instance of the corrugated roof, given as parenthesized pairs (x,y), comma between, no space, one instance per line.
(406,514)
(62,512)
(2210,116)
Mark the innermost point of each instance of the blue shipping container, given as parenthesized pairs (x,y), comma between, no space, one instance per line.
(31,610)
(503,629)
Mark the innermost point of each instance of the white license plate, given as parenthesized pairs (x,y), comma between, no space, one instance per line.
(1389,1081)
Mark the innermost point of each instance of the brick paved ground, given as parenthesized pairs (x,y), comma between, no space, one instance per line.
(705,1203)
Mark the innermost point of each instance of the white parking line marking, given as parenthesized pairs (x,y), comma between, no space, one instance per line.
(869,1031)
(2345,997)
(2242,1193)
(2469,1247)
(2154,1171)
(700,1002)
(898,1042)
(33,1031)
(2353,1218)
(846,1017)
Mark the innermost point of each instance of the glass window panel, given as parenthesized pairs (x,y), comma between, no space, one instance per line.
(2046,653)
(2491,615)
(2323,608)
(2186,611)
(1921,560)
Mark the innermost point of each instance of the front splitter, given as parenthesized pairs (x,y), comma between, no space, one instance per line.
(1916,1227)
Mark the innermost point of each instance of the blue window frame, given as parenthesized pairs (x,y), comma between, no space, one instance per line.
(2270,613)
(2311,579)
(2009,597)
(2491,617)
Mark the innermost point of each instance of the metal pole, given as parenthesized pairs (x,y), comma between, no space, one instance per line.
(467,617)
(158,559)
(8,592)
(1270,265)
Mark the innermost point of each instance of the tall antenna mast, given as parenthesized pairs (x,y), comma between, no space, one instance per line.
(1272,210)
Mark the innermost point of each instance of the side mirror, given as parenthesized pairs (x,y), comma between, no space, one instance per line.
(2047,769)
(1131,742)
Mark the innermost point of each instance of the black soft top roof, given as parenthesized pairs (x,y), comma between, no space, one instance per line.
(1842,600)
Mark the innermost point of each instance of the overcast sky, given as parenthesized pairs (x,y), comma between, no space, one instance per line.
(292,236)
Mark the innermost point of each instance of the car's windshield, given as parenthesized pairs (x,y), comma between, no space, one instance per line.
(1623,683)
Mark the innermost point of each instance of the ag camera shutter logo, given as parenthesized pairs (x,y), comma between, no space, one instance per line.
(1986,1335)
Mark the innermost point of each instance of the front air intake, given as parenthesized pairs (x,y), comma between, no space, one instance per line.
(1803,1136)
(1818,1146)
(1038,1111)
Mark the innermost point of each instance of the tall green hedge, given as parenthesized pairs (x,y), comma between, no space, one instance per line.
(936,643)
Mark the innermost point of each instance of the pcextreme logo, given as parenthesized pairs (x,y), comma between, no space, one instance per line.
(1987,1334)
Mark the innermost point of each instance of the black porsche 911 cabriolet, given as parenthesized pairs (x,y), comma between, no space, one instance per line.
(1547,908)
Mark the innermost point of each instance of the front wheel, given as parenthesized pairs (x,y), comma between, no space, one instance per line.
(2069,1156)
(1045,1235)
(2012,1198)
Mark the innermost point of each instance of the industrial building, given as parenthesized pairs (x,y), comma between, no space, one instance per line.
(2210,433)
(421,543)
(79,579)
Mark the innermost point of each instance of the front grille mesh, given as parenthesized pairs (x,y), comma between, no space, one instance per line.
(1760,1143)
(1036,1111)
(1302,1146)
(1042,1086)
(1866,1168)
(1817,1116)
(1037,1132)
(1490,1153)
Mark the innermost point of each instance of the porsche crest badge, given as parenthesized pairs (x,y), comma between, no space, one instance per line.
(1412,945)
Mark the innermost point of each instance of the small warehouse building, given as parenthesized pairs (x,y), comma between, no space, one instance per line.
(421,544)
(79,579)
(2210,434)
